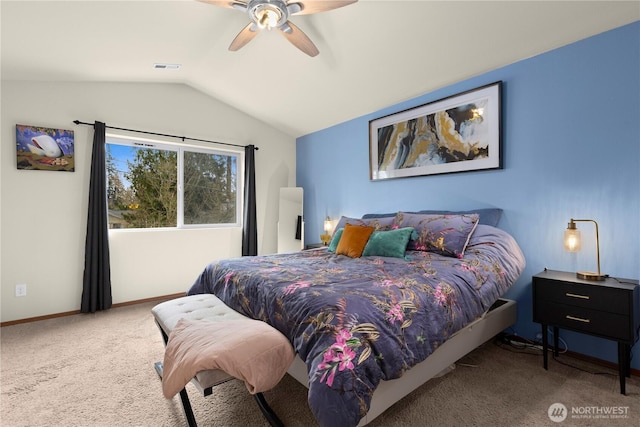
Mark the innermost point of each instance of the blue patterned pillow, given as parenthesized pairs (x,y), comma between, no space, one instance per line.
(442,234)
(377,223)
(392,243)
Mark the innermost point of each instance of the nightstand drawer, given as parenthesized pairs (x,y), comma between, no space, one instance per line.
(583,295)
(609,325)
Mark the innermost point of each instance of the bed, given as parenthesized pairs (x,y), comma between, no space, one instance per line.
(388,304)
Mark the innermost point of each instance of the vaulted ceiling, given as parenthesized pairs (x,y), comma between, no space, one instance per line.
(372,53)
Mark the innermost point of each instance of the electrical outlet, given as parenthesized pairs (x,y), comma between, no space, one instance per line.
(21,290)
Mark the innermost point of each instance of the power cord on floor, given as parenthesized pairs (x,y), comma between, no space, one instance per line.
(560,340)
(581,369)
(517,344)
(509,343)
(510,340)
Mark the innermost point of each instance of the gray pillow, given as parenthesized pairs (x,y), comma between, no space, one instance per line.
(488,216)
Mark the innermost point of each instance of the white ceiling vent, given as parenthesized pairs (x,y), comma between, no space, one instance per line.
(161,66)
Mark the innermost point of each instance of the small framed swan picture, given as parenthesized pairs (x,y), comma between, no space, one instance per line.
(42,148)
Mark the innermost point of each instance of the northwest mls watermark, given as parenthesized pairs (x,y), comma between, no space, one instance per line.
(558,412)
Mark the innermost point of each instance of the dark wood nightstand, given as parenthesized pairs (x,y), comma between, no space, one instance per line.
(608,309)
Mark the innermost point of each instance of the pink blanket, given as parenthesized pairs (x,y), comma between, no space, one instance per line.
(247,349)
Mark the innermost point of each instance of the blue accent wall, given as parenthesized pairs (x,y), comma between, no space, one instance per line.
(571,149)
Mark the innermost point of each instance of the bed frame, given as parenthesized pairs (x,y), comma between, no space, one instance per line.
(499,317)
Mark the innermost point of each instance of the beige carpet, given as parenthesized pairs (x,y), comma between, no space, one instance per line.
(97,370)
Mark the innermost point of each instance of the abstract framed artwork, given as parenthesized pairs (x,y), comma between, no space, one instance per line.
(456,134)
(41,148)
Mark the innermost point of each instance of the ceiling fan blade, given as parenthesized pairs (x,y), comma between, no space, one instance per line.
(245,36)
(307,7)
(298,38)
(231,4)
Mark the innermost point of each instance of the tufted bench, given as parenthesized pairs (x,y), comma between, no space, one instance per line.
(200,307)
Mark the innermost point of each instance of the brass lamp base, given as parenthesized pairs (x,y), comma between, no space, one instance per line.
(325,238)
(589,275)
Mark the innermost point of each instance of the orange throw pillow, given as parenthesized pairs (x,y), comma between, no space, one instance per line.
(354,239)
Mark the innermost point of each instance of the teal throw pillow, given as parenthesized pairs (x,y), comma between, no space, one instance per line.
(335,240)
(392,243)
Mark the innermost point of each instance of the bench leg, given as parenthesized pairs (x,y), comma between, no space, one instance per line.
(186,407)
(268,413)
(184,399)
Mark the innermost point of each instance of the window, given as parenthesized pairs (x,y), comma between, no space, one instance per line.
(152,185)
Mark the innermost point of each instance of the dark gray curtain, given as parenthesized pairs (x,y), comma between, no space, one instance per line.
(96,285)
(250,230)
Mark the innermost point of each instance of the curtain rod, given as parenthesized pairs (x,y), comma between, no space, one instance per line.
(183,138)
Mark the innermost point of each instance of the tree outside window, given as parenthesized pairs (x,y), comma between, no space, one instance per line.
(165,185)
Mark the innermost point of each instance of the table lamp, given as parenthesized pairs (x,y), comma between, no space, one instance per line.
(326,237)
(572,243)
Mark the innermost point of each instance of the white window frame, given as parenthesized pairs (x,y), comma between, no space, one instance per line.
(180,148)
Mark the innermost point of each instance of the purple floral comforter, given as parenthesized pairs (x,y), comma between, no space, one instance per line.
(358,321)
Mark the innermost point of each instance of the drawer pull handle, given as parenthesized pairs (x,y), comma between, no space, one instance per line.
(579,319)
(577,296)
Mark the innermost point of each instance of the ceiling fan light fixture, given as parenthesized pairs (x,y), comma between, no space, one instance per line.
(267,18)
(268,13)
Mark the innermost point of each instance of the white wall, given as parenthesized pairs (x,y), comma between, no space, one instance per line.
(43,214)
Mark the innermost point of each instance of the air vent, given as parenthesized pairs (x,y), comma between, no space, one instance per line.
(167,66)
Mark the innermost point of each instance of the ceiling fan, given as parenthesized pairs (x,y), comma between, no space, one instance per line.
(275,14)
